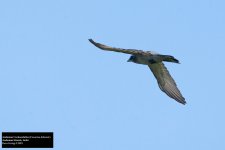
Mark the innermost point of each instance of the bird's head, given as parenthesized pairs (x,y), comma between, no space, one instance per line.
(131,59)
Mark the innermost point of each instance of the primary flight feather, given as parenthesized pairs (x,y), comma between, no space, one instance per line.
(155,63)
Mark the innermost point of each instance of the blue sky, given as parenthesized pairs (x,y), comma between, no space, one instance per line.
(53,79)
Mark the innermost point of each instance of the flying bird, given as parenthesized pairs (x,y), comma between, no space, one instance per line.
(155,62)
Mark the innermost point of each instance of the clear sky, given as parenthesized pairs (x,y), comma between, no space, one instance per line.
(53,79)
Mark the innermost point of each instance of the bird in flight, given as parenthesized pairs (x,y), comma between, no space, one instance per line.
(155,62)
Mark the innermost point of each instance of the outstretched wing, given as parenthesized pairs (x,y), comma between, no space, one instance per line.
(108,48)
(166,82)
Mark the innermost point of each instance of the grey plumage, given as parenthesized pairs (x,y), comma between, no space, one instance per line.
(155,63)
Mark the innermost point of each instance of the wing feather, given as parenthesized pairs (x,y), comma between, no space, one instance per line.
(108,48)
(166,82)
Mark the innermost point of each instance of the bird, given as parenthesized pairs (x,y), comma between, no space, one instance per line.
(154,61)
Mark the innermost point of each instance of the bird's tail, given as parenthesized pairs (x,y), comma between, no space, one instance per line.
(170,58)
